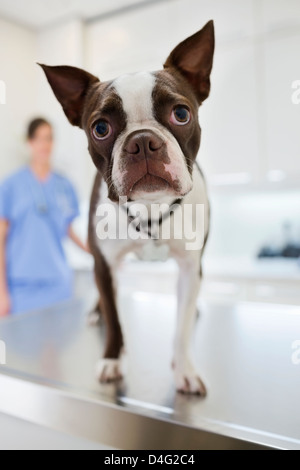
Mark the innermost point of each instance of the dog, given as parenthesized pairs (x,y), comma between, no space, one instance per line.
(144,136)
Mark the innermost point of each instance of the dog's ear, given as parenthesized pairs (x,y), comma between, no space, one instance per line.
(193,58)
(70,86)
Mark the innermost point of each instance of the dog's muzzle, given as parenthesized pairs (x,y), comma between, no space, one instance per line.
(144,164)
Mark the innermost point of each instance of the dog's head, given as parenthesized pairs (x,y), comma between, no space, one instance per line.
(143,129)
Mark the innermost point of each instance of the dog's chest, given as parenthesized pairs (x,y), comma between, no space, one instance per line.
(116,233)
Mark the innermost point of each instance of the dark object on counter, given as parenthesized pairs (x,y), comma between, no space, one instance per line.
(288,251)
(268,252)
(291,251)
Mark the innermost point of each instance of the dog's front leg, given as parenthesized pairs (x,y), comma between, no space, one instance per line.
(108,368)
(186,377)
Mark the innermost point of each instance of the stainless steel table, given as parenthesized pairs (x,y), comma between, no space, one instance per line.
(244,353)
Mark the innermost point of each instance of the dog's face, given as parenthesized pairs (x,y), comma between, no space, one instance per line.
(143,129)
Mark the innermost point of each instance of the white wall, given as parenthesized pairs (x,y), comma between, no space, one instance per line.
(57,45)
(18,71)
(28,95)
(144,38)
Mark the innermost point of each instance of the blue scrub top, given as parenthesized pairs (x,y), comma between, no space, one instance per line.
(39,215)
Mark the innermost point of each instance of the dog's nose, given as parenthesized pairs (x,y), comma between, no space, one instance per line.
(143,144)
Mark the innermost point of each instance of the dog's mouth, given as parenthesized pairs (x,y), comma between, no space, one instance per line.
(147,177)
(149,166)
(150,184)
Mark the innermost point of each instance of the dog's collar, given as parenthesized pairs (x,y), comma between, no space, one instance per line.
(146,226)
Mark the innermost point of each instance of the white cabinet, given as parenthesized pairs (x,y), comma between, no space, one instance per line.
(282,68)
(143,38)
(138,40)
(234,19)
(279,15)
(229,117)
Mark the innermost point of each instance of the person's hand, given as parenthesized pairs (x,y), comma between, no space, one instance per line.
(74,237)
(87,248)
(5,304)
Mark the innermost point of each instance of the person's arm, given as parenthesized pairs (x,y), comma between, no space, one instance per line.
(75,239)
(4,294)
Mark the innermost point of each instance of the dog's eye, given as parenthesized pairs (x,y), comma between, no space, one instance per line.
(180,116)
(101,130)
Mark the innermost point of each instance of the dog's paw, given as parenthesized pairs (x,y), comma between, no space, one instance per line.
(108,370)
(188,381)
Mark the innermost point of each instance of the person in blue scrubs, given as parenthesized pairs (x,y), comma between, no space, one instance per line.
(37,208)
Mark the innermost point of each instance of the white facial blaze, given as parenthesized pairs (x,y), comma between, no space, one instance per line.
(136,93)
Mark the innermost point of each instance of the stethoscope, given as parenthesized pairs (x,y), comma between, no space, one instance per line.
(39,197)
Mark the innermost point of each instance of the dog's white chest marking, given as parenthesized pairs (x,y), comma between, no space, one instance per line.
(136,93)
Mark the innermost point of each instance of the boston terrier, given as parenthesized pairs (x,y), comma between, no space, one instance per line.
(144,136)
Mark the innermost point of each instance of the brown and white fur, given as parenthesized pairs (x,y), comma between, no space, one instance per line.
(148,157)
